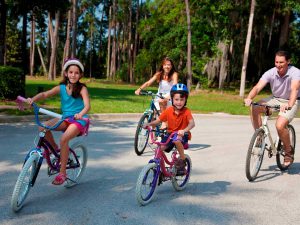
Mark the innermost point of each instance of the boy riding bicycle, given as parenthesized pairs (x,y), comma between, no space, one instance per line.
(179,118)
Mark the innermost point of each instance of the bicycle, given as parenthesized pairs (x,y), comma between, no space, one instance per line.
(261,141)
(142,135)
(43,150)
(156,172)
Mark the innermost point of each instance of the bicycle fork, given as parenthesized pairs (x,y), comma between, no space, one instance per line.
(38,164)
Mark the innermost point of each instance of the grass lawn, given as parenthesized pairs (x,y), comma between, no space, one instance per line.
(120,98)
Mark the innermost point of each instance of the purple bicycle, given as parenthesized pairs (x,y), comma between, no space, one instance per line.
(156,172)
(43,150)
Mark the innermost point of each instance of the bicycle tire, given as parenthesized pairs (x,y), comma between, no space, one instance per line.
(23,184)
(148,185)
(255,154)
(76,164)
(179,182)
(141,135)
(280,151)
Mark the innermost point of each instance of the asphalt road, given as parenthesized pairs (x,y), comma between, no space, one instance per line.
(218,192)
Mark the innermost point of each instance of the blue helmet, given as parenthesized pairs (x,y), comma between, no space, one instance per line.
(179,89)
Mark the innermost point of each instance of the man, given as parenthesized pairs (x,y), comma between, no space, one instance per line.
(284,80)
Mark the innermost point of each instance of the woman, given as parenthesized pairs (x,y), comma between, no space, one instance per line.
(166,76)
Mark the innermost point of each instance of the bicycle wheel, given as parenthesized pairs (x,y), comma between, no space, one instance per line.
(179,182)
(255,154)
(280,151)
(76,164)
(23,183)
(146,184)
(141,135)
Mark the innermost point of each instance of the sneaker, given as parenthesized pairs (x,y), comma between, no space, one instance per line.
(180,167)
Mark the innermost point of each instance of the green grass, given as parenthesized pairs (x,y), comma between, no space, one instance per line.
(109,97)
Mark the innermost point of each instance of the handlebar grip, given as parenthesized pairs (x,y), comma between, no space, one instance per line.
(22,99)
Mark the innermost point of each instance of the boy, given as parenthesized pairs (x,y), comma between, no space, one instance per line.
(179,118)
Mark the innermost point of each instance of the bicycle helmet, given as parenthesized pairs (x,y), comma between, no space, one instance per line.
(73,61)
(179,89)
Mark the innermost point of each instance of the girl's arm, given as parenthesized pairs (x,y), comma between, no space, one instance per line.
(146,84)
(152,123)
(44,95)
(86,101)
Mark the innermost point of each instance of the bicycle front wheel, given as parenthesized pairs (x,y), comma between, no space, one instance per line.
(141,135)
(179,182)
(280,150)
(24,182)
(76,164)
(146,184)
(255,154)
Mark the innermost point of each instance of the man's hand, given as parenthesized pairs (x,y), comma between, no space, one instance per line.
(284,107)
(247,101)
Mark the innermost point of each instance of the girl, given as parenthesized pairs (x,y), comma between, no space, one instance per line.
(167,76)
(74,103)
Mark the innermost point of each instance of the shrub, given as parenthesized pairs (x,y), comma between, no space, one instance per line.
(12,82)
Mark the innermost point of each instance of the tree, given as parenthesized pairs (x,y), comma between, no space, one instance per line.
(189,44)
(246,52)
(3,9)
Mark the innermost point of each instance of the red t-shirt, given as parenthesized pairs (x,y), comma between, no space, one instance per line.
(176,121)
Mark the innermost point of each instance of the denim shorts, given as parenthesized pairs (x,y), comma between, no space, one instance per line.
(171,145)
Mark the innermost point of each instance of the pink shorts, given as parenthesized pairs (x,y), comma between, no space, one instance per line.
(83,129)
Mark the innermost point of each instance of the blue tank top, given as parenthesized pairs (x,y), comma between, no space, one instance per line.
(69,105)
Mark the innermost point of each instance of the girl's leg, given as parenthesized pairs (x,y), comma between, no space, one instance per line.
(49,137)
(71,132)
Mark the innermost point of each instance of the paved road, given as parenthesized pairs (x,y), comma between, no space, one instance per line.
(218,192)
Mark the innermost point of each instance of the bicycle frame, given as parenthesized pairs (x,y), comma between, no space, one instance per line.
(43,143)
(160,158)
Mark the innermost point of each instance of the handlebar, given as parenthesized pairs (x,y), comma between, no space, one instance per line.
(276,107)
(20,100)
(161,143)
(150,93)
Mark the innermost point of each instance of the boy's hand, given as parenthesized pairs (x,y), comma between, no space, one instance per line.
(145,125)
(180,133)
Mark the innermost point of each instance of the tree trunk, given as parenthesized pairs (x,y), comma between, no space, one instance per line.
(271,28)
(32,45)
(3,15)
(108,45)
(129,48)
(284,31)
(189,46)
(74,28)
(68,41)
(135,50)
(114,47)
(224,63)
(246,52)
(42,60)
(54,39)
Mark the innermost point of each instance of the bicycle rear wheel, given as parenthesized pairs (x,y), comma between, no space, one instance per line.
(76,164)
(24,182)
(255,154)
(141,135)
(280,150)
(146,184)
(179,182)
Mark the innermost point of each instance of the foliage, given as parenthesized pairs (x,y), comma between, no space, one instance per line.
(11,82)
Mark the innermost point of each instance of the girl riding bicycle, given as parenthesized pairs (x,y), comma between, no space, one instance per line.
(167,76)
(75,104)
(179,118)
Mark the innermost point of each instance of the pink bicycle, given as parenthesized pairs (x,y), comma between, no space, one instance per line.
(156,172)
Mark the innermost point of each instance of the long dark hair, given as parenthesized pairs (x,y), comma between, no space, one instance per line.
(161,70)
(76,87)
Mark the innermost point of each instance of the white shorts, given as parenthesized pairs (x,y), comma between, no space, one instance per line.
(288,114)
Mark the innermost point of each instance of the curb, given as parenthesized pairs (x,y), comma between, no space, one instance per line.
(109,116)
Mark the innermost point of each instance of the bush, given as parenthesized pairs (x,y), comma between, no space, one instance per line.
(12,82)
